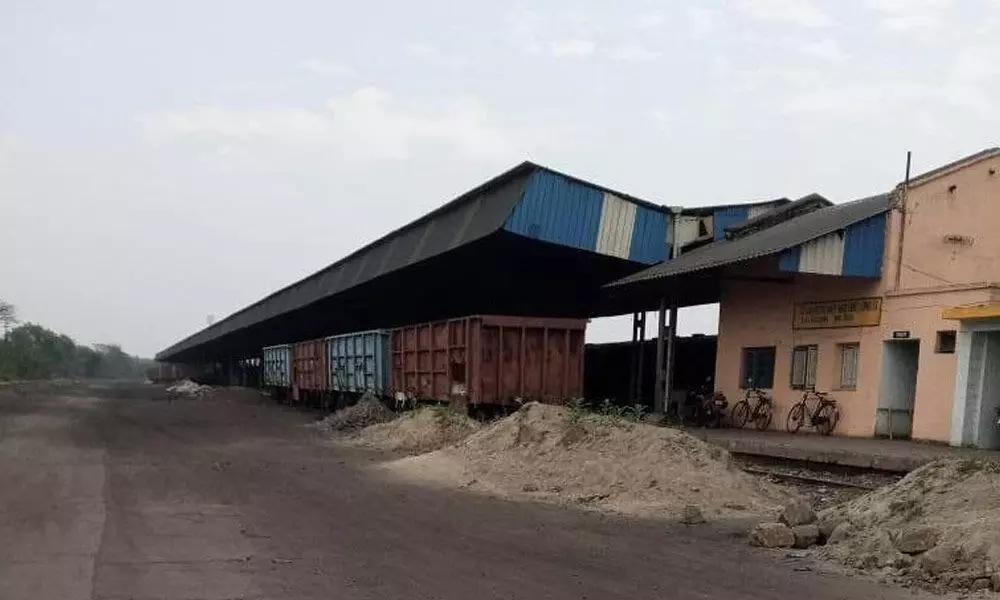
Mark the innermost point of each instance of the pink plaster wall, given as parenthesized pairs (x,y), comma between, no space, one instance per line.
(920,314)
(937,273)
(963,203)
(760,314)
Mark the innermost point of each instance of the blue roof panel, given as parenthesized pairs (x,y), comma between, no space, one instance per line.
(559,210)
(864,245)
(724,218)
(650,237)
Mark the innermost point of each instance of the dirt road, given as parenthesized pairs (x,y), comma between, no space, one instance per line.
(110,494)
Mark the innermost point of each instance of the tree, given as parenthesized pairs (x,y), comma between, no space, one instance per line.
(8,317)
(30,351)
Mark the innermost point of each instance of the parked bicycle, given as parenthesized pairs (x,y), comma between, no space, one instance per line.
(704,407)
(818,408)
(756,407)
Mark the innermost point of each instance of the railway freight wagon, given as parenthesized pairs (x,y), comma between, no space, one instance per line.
(359,362)
(277,366)
(309,371)
(489,359)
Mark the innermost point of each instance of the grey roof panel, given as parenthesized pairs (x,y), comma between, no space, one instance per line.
(766,242)
(466,219)
(782,213)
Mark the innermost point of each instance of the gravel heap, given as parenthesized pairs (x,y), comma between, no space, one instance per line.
(419,431)
(554,454)
(369,410)
(939,527)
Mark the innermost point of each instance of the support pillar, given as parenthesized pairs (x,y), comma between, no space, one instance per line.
(641,348)
(638,339)
(668,366)
(660,399)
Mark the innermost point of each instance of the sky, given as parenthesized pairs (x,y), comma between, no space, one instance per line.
(165,161)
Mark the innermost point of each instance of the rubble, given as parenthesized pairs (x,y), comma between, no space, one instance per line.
(189,389)
(797,512)
(806,536)
(772,535)
(940,525)
(369,410)
(915,540)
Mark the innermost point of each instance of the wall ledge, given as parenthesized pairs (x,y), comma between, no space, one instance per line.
(943,289)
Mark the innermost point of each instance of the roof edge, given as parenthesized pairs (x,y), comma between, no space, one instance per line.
(953,166)
(523,167)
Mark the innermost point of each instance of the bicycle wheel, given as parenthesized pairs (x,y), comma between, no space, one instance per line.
(795,418)
(740,414)
(762,415)
(826,418)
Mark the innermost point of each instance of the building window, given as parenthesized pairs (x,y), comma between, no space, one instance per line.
(804,360)
(945,342)
(848,365)
(758,367)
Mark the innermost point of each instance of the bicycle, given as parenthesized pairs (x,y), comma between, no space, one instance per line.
(760,412)
(823,418)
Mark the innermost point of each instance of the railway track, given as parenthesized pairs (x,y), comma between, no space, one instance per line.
(814,479)
(822,484)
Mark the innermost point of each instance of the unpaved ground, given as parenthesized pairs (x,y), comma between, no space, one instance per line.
(109,494)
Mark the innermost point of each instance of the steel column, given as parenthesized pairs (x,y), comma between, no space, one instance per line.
(660,399)
(668,367)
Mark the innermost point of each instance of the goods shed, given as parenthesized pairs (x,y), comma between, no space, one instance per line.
(531,241)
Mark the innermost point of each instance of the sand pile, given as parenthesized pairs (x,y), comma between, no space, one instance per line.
(369,410)
(419,431)
(552,453)
(938,526)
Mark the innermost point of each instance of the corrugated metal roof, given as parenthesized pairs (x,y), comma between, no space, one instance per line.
(768,241)
(470,217)
(784,212)
(727,218)
(864,246)
(562,210)
(704,211)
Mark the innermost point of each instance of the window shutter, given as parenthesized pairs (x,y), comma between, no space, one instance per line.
(812,358)
(848,366)
(798,366)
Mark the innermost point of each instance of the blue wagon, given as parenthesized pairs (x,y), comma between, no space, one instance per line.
(359,362)
(277,371)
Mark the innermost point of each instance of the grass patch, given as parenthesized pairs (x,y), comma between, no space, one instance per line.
(606,412)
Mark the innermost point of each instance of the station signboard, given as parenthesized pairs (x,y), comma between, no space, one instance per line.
(858,312)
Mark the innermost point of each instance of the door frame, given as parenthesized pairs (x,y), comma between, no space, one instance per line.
(887,345)
(964,433)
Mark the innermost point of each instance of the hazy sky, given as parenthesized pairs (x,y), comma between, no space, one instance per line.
(163,161)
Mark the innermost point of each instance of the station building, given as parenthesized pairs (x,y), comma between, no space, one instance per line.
(891,303)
